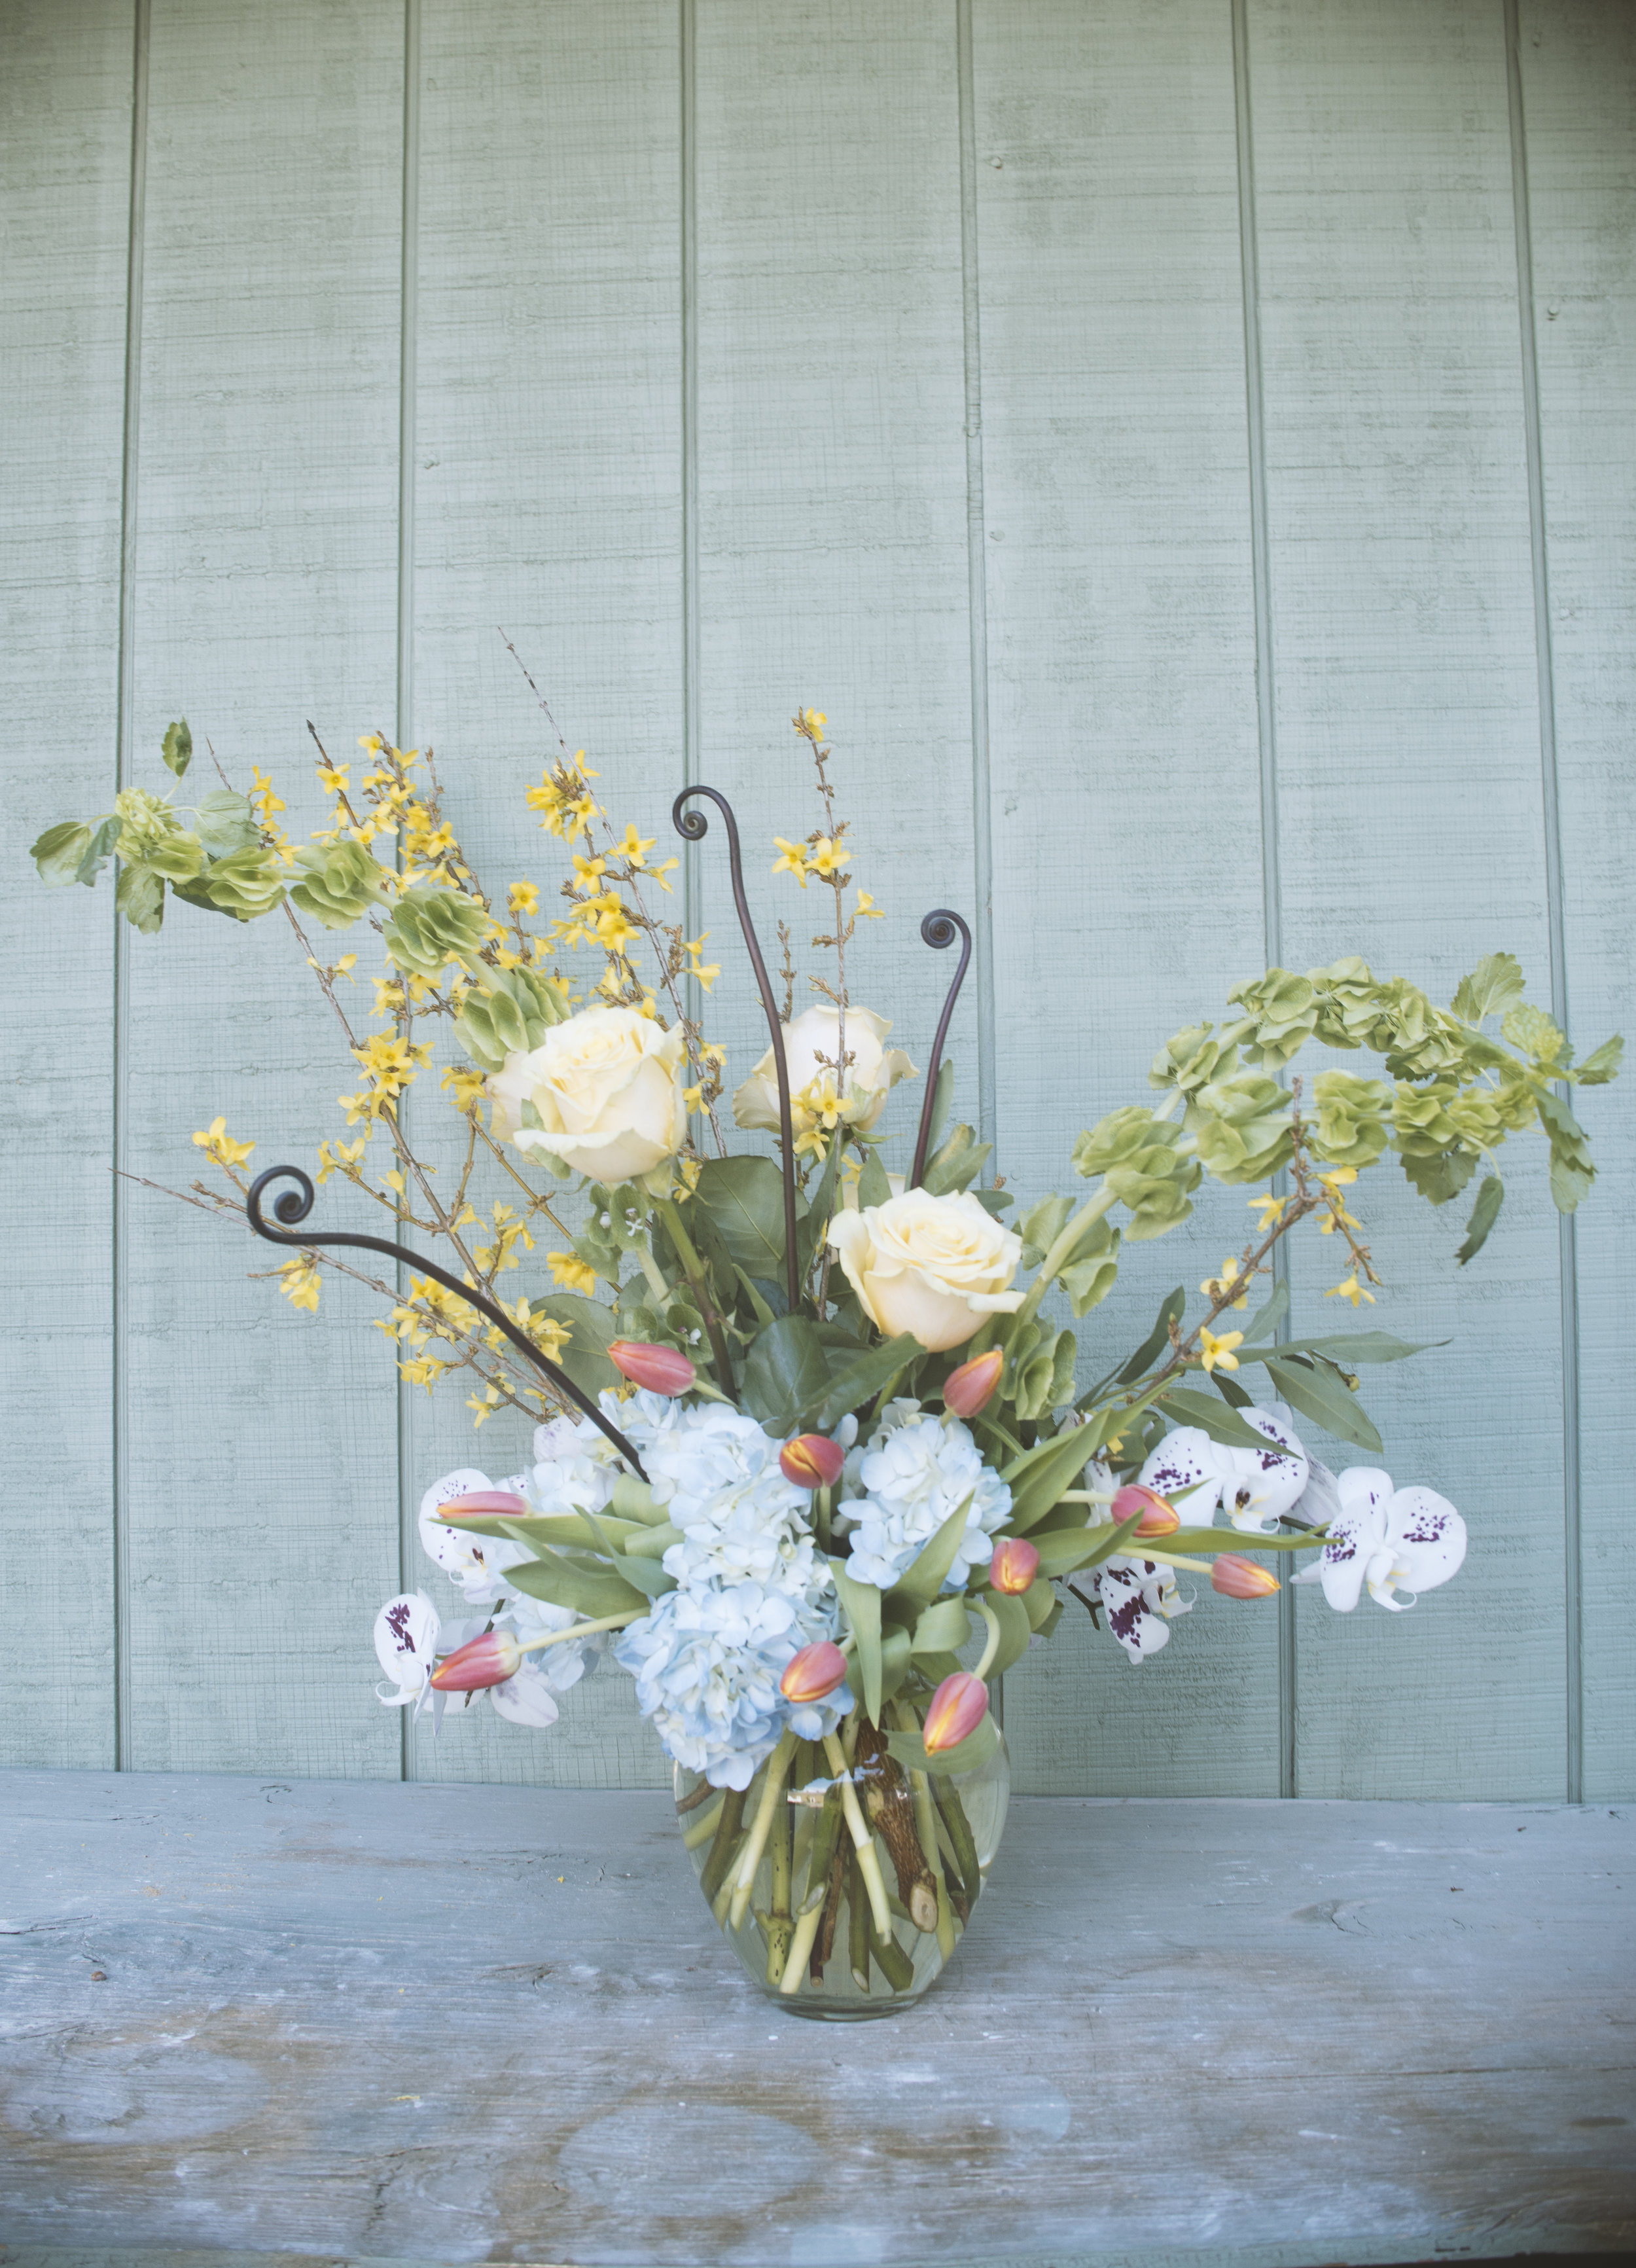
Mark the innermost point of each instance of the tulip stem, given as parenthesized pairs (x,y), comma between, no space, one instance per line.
(801,1945)
(926,1828)
(992,1646)
(703,1829)
(755,1841)
(584,1629)
(694,1270)
(862,1838)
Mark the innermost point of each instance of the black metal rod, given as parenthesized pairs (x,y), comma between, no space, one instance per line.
(296,1205)
(938,931)
(692,826)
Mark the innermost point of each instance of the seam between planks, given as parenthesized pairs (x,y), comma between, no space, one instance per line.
(687,35)
(409,287)
(1545,663)
(977,578)
(119,1538)
(1266,725)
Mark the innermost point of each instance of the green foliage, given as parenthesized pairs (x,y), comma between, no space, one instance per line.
(429,927)
(509,1013)
(1280,1015)
(340,882)
(969,1754)
(1484,1213)
(177,748)
(590,1326)
(1144,1164)
(245,883)
(785,1374)
(745,1197)
(60,852)
(1241,1127)
(956,1166)
(1494,985)
(1352,1121)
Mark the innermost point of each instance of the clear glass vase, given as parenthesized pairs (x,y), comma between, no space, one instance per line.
(807,1923)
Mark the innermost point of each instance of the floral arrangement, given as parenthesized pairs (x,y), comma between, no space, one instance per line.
(805,1428)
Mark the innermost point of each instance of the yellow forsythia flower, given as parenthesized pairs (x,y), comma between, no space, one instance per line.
(218,1144)
(571,1272)
(301,1282)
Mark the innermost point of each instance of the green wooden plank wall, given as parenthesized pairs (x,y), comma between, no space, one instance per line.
(1187,447)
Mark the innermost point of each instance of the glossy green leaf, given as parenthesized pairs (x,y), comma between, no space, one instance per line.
(745,1197)
(874,1188)
(590,1326)
(860,1382)
(785,1374)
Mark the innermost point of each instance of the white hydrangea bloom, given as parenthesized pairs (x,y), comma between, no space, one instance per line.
(716,1474)
(915,1471)
(707,1662)
(560,1666)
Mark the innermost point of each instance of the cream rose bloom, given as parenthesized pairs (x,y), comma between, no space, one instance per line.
(935,1266)
(608,1087)
(874,1070)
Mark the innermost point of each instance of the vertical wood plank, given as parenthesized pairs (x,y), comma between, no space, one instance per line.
(831,497)
(1579,86)
(262,1514)
(65,153)
(1412,827)
(549,499)
(1125,753)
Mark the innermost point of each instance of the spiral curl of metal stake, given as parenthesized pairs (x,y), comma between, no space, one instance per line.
(938,931)
(693,826)
(295,1205)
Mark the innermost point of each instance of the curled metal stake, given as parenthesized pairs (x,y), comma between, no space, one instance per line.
(294,1205)
(693,826)
(938,931)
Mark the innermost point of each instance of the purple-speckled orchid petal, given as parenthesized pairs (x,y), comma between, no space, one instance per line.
(1259,1485)
(1186,1458)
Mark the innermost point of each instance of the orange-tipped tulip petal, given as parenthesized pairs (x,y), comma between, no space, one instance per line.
(812,1460)
(817,1669)
(484,1504)
(1237,1577)
(968,1389)
(954,1711)
(1013,1566)
(486,1661)
(1158,1515)
(661,1369)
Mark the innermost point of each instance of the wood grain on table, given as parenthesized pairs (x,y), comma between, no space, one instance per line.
(459,2023)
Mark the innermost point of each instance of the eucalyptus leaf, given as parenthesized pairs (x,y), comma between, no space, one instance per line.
(1327,1403)
(1184,1407)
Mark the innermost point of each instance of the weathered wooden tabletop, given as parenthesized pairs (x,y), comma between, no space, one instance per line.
(434,2023)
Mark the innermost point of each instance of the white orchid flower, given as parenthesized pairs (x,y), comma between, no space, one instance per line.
(526,1698)
(1386,1537)
(476,1563)
(1259,1486)
(1186,1458)
(407,1632)
(1141,1602)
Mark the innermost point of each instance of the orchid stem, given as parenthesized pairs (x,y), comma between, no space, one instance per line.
(584,1630)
